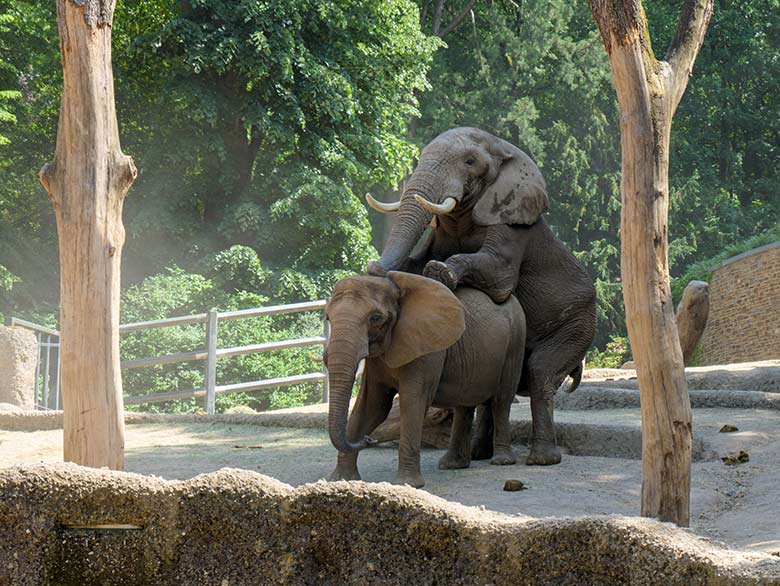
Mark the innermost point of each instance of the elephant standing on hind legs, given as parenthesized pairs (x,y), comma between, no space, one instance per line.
(486,198)
(431,347)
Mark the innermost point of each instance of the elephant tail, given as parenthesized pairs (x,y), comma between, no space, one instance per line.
(576,376)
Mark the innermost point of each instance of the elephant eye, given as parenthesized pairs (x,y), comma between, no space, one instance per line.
(470,161)
(376,318)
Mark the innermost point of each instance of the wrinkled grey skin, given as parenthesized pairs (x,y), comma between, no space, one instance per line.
(481,367)
(496,240)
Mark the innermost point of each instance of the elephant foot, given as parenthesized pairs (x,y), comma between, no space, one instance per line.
(482,451)
(344,474)
(504,458)
(454,461)
(438,271)
(413,480)
(375,269)
(543,454)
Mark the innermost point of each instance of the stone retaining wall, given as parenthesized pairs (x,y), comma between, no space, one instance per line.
(744,320)
(238,527)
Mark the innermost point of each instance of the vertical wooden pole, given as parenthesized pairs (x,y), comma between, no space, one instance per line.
(87,182)
(211,362)
(648,93)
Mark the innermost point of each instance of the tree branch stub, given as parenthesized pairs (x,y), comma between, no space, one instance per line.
(97,13)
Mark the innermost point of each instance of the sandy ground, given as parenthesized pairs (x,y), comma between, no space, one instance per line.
(733,504)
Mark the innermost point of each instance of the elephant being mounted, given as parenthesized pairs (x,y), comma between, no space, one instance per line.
(484,199)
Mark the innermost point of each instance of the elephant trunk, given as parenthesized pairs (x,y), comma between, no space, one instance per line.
(411,221)
(346,348)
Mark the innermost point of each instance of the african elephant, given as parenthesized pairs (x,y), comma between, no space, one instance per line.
(431,347)
(487,198)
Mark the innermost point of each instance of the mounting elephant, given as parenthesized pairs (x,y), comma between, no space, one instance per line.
(487,198)
(431,347)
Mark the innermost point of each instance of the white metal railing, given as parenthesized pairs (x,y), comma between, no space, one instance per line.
(47,365)
(210,355)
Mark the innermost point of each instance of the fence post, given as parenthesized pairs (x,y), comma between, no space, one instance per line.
(37,397)
(211,361)
(46,373)
(325,383)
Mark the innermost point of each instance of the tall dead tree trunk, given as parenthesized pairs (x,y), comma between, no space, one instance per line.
(648,92)
(87,183)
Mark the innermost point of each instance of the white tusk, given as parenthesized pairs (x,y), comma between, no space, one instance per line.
(437,208)
(382,207)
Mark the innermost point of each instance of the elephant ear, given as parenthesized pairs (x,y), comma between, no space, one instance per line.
(430,318)
(518,195)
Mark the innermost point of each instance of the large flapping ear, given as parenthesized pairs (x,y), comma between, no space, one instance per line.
(518,195)
(430,318)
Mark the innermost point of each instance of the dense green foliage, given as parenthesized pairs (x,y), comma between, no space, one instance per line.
(217,284)
(257,126)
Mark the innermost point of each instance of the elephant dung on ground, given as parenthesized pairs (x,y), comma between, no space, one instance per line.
(487,197)
(431,347)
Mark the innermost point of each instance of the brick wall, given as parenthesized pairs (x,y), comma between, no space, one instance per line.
(744,321)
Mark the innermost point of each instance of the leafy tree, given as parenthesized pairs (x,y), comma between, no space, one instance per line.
(725,159)
(6,70)
(30,78)
(291,110)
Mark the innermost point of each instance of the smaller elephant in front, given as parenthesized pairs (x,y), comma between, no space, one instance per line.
(430,346)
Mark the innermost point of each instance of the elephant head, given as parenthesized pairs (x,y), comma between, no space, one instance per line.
(399,317)
(463,171)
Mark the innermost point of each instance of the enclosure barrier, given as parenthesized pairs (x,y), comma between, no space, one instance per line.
(46,363)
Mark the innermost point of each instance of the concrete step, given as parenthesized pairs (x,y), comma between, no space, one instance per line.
(753,376)
(617,432)
(600,397)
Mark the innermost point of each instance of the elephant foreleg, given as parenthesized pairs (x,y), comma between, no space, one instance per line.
(371,409)
(493,269)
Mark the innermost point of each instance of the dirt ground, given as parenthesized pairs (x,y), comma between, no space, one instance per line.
(733,504)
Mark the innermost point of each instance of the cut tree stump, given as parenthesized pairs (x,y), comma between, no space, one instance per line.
(692,313)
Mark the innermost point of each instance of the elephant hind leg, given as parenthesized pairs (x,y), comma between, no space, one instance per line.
(482,443)
(458,453)
(501,406)
(542,381)
(545,369)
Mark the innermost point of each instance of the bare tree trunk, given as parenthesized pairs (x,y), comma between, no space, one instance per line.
(87,183)
(648,93)
(692,313)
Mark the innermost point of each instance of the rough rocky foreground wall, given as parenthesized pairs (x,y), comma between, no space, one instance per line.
(239,527)
(744,321)
(18,354)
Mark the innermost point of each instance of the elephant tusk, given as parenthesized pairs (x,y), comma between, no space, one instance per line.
(437,208)
(382,207)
